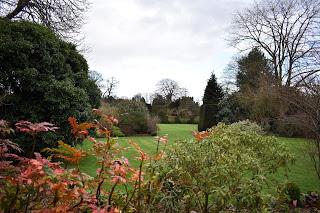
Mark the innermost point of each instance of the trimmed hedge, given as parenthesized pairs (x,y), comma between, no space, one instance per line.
(208,116)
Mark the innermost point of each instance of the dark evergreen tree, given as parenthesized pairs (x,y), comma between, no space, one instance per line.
(252,69)
(213,94)
(43,79)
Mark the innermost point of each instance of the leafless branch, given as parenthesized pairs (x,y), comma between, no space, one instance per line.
(65,17)
(287,31)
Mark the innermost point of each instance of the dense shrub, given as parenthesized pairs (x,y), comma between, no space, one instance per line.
(230,109)
(43,78)
(222,169)
(292,190)
(38,185)
(249,127)
(133,117)
(116,132)
(208,116)
(288,127)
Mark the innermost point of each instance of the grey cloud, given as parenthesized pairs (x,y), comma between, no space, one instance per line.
(139,35)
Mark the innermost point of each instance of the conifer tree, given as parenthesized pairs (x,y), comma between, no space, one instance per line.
(213,92)
(252,69)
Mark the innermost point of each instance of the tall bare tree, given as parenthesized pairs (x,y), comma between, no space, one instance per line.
(170,89)
(110,86)
(65,17)
(287,31)
(97,78)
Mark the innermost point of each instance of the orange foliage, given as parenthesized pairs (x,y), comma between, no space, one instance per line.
(199,136)
(143,155)
(80,130)
(67,153)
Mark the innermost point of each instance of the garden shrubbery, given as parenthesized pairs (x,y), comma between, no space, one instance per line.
(43,78)
(183,110)
(133,115)
(223,169)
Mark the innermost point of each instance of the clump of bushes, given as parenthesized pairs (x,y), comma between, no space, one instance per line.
(152,122)
(116,132)
(222,169)
(288,127)
(290,197)
(134,117)
(249,127)
(38,184)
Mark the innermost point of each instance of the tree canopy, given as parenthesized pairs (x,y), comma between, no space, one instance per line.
(252,69)
(170,90)
(42,77)
(213,92)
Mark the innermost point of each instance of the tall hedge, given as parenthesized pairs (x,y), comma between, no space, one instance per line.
(208,116)
(43,78)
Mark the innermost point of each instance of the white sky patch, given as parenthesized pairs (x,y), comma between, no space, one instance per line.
(141,42)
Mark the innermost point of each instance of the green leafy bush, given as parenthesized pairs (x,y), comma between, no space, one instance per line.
(116,132)
(133,117)
(248,126)
(43,78)
(226,167)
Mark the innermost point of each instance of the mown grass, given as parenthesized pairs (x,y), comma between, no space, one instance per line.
(301,171)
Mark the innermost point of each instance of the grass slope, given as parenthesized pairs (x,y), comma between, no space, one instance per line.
(301,172)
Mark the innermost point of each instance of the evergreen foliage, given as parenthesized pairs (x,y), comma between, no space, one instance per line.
(42,77)
(213,94)
(252,69)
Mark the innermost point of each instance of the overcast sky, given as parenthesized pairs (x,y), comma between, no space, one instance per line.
(140,42)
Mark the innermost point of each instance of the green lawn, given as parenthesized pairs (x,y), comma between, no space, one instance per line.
(301,172)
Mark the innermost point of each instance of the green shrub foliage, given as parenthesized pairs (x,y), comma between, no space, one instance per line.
(231,110)
(228,169)
(133,117)
(42,77)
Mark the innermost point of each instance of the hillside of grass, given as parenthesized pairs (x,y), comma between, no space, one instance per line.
(301,171)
